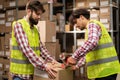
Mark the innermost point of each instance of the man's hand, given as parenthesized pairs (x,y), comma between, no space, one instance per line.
(56,64)
(51,72)
(71,61)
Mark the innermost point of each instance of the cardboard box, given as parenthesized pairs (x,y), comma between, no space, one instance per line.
(54,49)
(51,47)
(2,15)
(8,27)
(21,13)
(1,4)
(47,31)
(2,28)
(10,19)
(93,3)
(104,19)
(9,3)
(11,15)
(6,3)
(7,54)
(105,11)
(2,22)
(107,2)
(81,3)
(12,3)
(6,64)
(1,64)
(62,74)
(2,53)
(2,41)
(11,12)
(104,2)
(22,2)
(7,41)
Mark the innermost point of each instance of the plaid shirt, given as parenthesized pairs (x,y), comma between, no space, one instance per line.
(94,33)
(35,60)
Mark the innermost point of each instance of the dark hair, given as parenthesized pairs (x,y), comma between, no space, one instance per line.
(35,5)
(76,14)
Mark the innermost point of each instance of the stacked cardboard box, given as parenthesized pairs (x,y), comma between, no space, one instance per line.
(4,67)
(105,12)
(105,16)
(107,2)
(87,3)
(47,30)
(2,22)
(54,49)
(13,3)
(12,15)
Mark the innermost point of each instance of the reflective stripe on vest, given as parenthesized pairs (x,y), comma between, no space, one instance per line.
(104,46)
(20,61)
(102,61)
(17,48)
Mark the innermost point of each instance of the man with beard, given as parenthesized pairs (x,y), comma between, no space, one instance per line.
(98,49)
(28,51)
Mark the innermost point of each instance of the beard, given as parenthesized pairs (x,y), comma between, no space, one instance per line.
(32,21)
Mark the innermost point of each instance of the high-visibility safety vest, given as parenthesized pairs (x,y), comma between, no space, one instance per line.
(103,60)
(19,63)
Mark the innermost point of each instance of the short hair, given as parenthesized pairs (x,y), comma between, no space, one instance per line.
(76,14)
(35,5)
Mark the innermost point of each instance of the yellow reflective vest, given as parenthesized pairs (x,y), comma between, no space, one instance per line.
(19,63)
(103,60)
